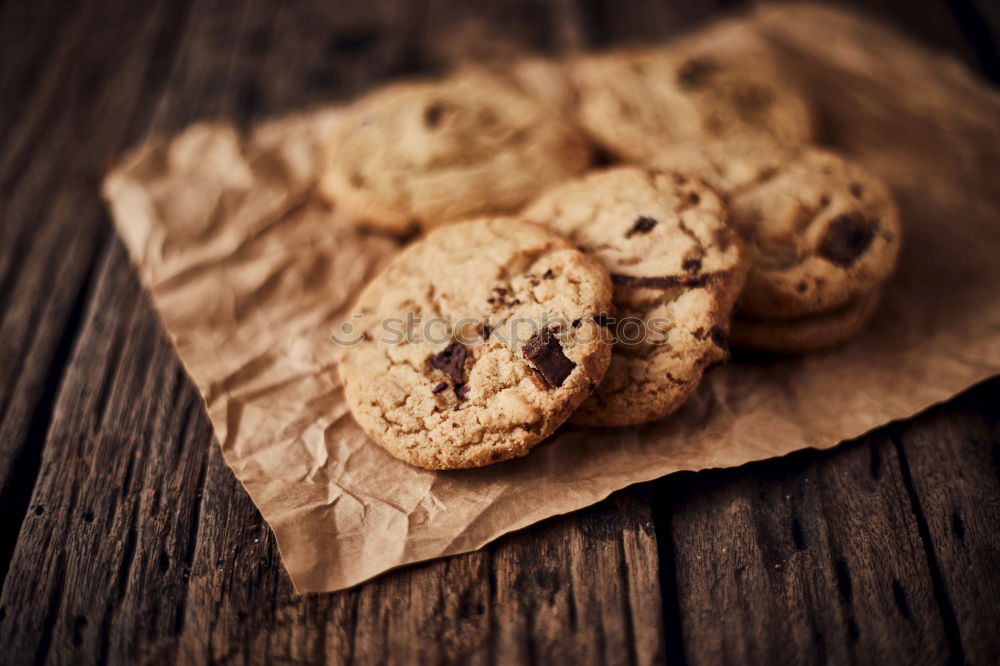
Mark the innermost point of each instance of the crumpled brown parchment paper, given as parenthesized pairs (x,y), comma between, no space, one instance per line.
(251,273)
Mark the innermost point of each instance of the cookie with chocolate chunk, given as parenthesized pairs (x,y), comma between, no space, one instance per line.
(476,343)
(425,153)
(821,231)
(676,267)
(635,103)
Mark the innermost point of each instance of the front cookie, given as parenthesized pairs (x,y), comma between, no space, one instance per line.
(477,342)
(676,267)
(427,153)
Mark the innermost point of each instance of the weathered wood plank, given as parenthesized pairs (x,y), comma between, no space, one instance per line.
(951,458)
(52,220)
(106,523)
(576,589)
(811,558)
(106,526)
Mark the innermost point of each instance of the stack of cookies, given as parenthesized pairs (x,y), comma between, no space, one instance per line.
(545,289)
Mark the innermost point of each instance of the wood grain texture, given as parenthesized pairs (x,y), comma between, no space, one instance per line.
(66,125)
(809,559)
(97,573)
(129,540)
(951,459)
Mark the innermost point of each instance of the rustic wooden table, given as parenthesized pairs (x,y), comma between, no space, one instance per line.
(124,538)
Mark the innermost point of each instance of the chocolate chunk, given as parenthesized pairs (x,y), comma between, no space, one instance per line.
(845,239)
(642,225)
(485,331)
(665,282)
(548,275)
(451,361)
(695,72)
(440,387)
(694,199)
(433,114)
(856,190)
(691,265)
(461,390)
(516,301)
(500,290)
(546,355)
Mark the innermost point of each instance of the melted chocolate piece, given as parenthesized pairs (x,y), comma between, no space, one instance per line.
(433,114)
(440,387)
(643,225)
(485,331)
(665,282)
(451,361)
(845,239)
(546,355)
(695,72)
(691,265)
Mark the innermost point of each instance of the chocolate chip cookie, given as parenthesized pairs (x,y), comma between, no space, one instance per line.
(676,267)
(420,154)
(476,343)
(634,103)
(821,231)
